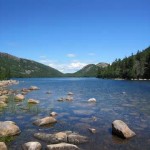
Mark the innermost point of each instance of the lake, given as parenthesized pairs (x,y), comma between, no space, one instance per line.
(125,100)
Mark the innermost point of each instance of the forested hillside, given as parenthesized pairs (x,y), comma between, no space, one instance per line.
(11,66)
(134,67)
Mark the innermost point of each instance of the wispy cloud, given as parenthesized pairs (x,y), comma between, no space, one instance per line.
(71,55)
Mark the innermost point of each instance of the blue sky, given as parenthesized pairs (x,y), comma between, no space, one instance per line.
(68,34)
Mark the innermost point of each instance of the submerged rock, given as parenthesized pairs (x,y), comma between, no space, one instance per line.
(33,101)
(48,92)
(32,146)
(45,121)
(8,128)
(62,146)
(3,146)
(92,100)
(121,129)
(19,97)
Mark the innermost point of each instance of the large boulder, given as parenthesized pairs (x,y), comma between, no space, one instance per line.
(33,101)
(32,146)
(52,138)
(62,146)
(8,128)
(3,146)
(121,129)
(45,121)
(19,97)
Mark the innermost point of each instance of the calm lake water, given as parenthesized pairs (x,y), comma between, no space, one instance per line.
(125,100)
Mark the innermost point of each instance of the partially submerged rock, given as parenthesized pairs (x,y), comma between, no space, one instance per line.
(67,137)
(3,146)
(32,146)
(70,93)
(52,138)
(33,101)
(45,121)
(61,99)
(53,114)
(33,88)
(92,130)
(69,98)
(75,138)
(92,100)
(121,129)
(8,128)
(19,97)
(62,146)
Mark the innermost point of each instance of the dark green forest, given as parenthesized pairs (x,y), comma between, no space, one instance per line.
(14,67)
(133,67)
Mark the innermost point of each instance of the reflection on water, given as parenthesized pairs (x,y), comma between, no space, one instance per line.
(125,100)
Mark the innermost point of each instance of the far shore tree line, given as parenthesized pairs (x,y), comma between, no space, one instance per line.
(133,67)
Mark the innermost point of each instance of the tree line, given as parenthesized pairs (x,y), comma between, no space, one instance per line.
(133,67)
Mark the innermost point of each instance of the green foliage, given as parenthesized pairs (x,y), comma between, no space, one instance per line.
(134,67)
(11,66)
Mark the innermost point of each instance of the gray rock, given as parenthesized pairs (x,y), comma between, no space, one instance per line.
(3,146)
(62,146)
(67,137)
(32,146)
(45,121)
(92,130)
(8,128)
(52,138)
(75,138)
(121,129)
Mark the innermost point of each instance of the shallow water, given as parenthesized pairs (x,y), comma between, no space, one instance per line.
(125,100)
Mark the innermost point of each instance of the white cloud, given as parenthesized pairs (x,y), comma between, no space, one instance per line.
(70,67)
(71,55)
(91,54)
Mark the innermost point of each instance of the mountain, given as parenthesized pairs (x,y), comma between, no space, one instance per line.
(90,70)
(133,67)
(11,66)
